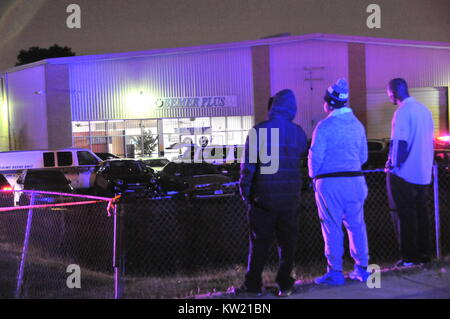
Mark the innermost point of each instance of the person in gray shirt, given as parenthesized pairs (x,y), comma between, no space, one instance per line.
(409,168)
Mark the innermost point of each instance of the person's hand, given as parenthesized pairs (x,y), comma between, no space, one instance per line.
(388,166)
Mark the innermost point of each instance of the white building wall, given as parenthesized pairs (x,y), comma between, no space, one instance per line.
(420,67)
(27,108)
(124,88)
(288,63)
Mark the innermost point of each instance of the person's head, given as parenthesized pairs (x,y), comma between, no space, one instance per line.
(283,105)
(336,96)
(397,90)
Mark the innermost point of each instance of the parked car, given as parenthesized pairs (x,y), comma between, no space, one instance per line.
(442,142)
(106,156)
(214,154)
(50,180)
(378,152)
(198,180)
(157,164)
(6,195)
(119,176)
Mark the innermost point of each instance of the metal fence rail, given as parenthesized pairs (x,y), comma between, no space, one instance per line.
(175,245)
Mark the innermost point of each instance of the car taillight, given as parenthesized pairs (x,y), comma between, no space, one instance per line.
(7,188)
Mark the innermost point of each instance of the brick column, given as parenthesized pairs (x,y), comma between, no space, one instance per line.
(59,115)
(357,80)
(261,81)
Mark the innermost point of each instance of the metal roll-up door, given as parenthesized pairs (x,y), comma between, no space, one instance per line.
(380,110)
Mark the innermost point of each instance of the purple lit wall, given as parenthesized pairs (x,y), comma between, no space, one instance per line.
(101,88)
(288,63)
(27,108)
(421,67)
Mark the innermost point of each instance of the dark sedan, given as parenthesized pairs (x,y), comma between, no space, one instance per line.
(119,176)
(199,180)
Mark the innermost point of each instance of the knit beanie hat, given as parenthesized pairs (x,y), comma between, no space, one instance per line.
(337,94)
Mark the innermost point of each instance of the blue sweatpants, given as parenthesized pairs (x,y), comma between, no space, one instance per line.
(340,200)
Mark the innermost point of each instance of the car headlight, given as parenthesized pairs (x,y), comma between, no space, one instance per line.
(119,182)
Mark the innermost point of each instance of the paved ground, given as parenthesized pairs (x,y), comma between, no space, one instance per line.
(430,282)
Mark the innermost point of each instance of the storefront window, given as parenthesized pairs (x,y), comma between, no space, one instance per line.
(234,123)
(140,138)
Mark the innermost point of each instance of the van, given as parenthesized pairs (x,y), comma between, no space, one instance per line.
(78,165)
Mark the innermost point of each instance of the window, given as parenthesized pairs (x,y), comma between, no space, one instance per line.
(49,159)
(86,158)
(64,158)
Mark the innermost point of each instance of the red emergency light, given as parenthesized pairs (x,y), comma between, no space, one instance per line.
(444,138)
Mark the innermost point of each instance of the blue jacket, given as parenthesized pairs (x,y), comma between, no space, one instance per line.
(280,189)
(339,144)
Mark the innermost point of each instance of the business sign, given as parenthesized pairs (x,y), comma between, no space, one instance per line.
(196,102)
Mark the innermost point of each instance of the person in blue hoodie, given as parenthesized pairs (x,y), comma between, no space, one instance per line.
(272,190)
(338,151)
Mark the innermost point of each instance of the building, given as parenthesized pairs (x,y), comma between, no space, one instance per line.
(120,103)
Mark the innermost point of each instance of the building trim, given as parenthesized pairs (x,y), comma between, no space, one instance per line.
(237,45)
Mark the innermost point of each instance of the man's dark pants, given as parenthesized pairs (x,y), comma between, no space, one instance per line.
(409,212)
(264,224)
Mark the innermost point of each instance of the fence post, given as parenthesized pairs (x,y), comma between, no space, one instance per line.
(436,211)
(25,249)
(117,255)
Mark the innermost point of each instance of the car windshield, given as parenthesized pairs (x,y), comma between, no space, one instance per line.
(126,167)
(156,162)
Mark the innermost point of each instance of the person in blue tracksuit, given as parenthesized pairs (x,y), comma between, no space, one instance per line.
(338,151)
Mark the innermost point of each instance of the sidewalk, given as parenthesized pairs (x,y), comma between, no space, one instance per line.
(425,282)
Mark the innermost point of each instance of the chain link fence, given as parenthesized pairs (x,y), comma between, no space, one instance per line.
(45,235)
(171,247)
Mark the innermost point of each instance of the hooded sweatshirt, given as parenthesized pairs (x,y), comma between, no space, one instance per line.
(280,189)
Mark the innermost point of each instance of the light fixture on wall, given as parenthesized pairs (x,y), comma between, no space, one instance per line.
(140,103)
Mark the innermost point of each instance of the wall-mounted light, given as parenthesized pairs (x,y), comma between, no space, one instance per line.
(140,103)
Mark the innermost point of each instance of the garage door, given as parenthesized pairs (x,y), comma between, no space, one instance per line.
(380,110)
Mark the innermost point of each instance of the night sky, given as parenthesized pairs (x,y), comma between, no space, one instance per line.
(131,25)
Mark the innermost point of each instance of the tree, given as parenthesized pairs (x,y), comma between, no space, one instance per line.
(149,142)
(35,54)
